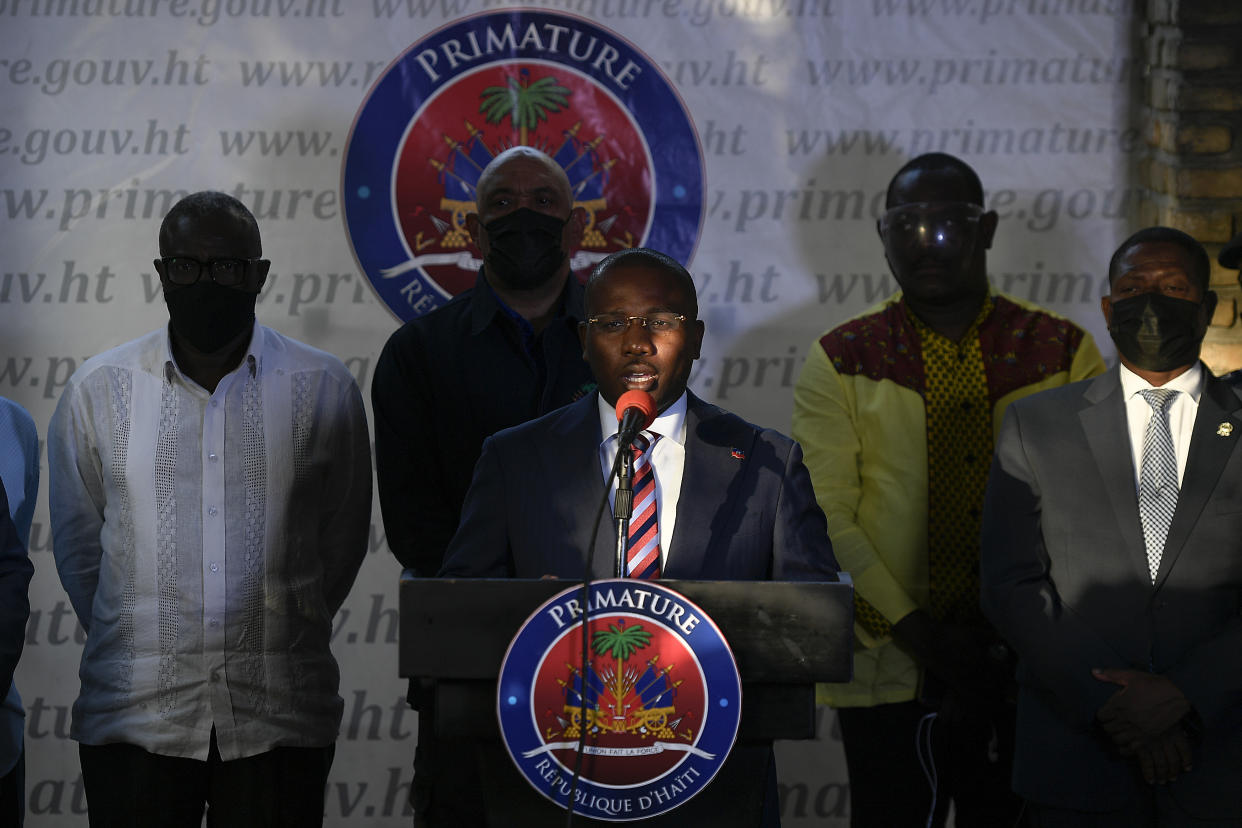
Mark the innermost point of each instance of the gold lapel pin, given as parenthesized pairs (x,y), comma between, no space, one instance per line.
(1224,429)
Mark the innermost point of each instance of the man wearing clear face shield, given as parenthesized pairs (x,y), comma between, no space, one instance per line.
(896,410)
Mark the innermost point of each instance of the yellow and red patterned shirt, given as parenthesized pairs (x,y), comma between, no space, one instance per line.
(896,423)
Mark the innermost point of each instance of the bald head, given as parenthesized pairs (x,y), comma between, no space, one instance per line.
(525,224)
(496,184)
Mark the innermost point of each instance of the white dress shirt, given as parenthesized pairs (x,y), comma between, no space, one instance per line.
(1181,410)
(206,540)
(668,461)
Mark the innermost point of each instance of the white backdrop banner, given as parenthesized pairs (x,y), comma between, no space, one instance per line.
(752,138)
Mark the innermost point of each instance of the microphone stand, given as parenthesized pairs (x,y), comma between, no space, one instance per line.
(623,505)
(623,470)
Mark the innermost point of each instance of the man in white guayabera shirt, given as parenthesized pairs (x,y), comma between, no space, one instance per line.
(210,499)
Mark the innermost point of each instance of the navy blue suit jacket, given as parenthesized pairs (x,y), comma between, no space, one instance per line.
(746,510)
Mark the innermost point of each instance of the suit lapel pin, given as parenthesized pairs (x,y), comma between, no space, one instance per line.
(1224,429)
(738,454)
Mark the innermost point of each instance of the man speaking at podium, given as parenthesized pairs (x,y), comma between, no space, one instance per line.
(731,501)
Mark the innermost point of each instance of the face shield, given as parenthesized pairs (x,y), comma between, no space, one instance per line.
(944,230)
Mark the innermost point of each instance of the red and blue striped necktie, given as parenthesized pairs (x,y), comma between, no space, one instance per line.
(643,547)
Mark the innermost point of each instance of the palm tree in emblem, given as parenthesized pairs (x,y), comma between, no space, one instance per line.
(620,642)
(524,102)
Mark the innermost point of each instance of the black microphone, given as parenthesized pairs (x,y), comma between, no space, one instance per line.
(635,411)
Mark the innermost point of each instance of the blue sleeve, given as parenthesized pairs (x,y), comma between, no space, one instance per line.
(15,573)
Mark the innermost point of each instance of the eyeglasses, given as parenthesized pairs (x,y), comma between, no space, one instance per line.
(179,270)
(657,323)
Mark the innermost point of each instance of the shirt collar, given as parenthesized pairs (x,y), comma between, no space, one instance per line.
(253,360)
(1190,382)
(972,333)
(671,422)
(486,304)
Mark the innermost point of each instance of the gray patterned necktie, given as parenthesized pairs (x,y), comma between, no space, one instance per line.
(1158,489)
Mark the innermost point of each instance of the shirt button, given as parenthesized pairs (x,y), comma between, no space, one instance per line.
(211,510)
(212,457)
(215,623)
(215,567)
(215,403)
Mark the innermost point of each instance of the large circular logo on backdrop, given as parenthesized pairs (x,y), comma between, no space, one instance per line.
(470,90)
(656,705)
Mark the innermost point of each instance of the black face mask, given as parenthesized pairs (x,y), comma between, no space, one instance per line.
(524,247)
(1157,332)
(209,316)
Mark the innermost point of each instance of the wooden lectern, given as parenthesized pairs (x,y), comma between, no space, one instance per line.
(785,636)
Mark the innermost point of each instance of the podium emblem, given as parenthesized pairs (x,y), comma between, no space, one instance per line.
(444,108)
(654,709)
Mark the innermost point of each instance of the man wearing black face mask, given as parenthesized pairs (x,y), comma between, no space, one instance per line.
(210,501)
(499,354)
(495,356)
(895,411)
(1112,563)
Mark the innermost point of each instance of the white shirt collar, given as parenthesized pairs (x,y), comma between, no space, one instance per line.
(1190,382)
(671,423)
(253,359)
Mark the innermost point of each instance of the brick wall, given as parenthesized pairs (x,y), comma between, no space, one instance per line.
(1191,112)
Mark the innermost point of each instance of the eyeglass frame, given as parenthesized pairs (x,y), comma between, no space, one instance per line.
(594,322)
(161,265)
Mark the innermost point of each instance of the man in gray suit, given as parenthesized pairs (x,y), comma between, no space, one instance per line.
(1112,563)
